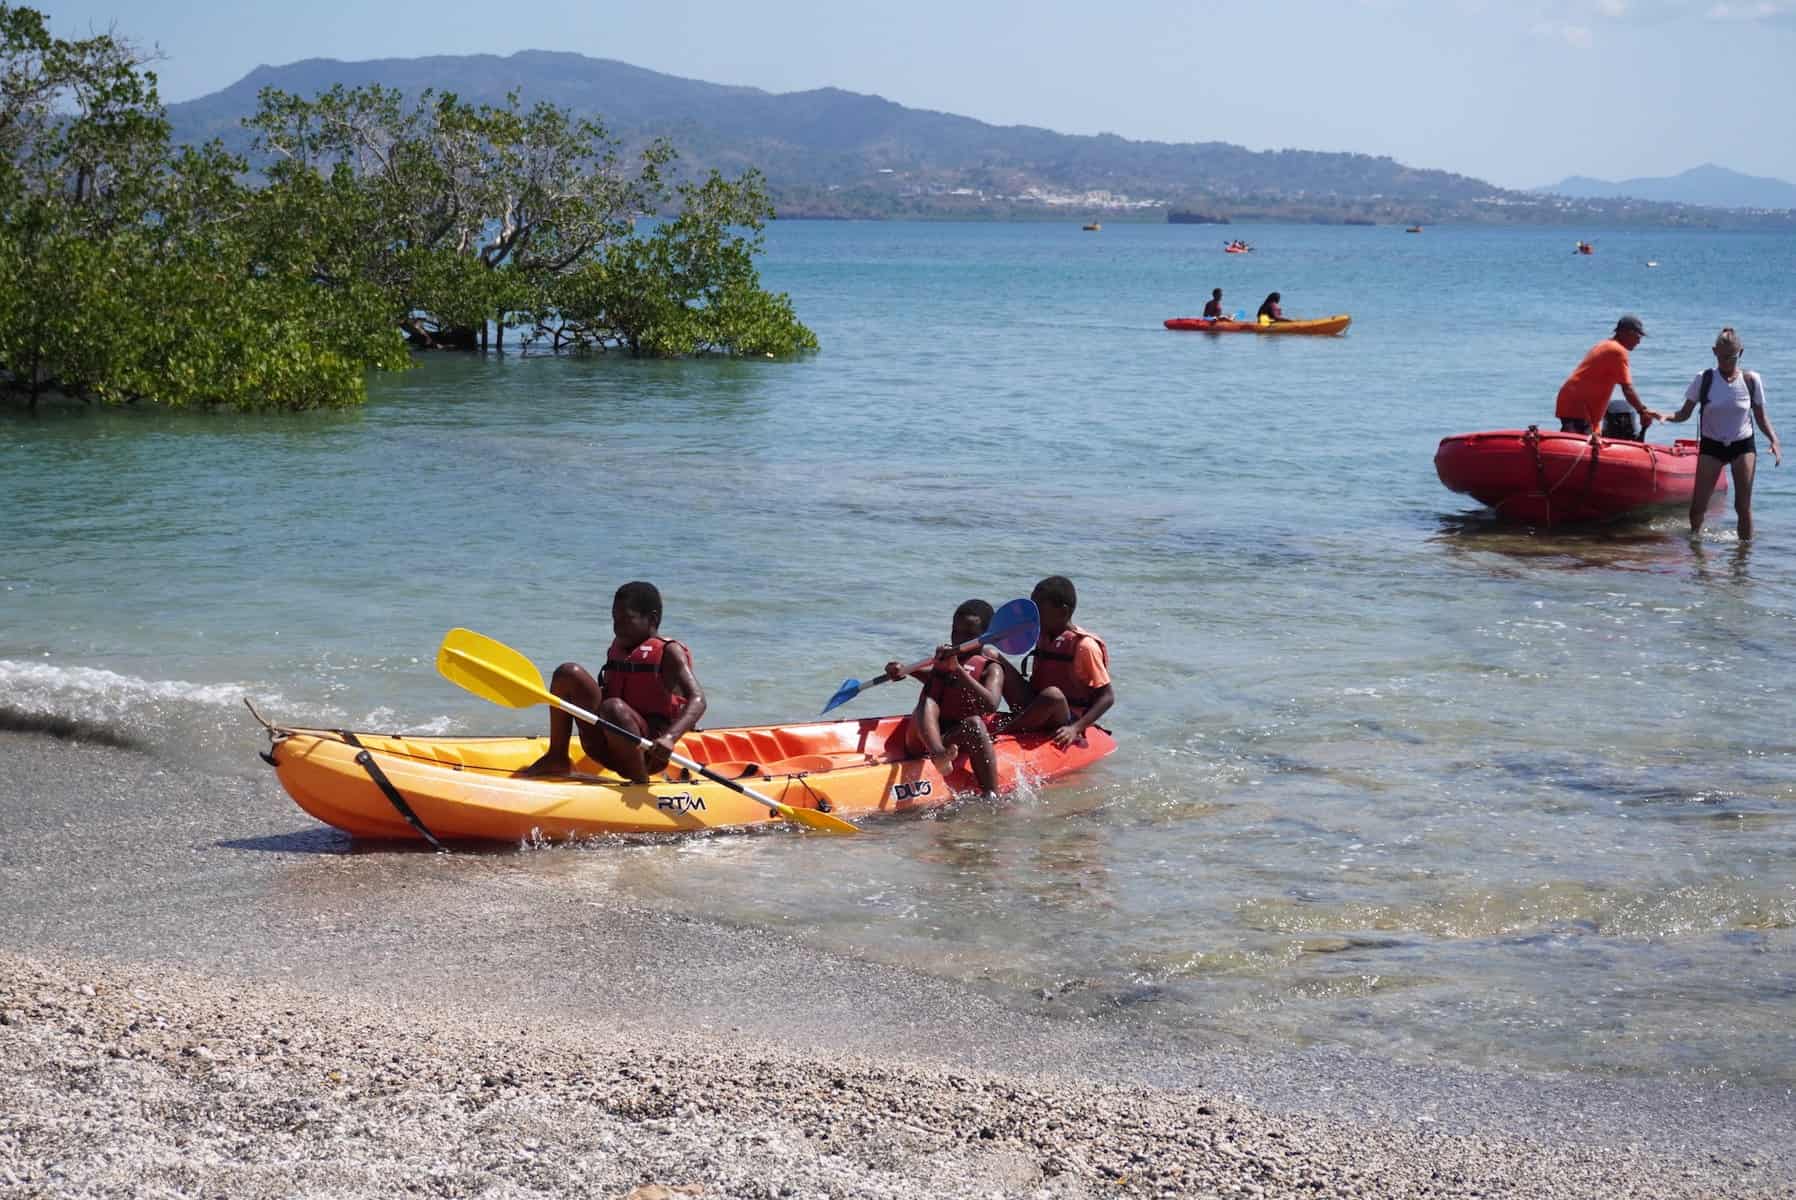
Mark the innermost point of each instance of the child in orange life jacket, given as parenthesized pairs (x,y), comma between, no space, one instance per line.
(959,693)
(647,686)
(1069,687)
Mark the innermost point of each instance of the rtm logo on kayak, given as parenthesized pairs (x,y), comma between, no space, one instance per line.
(912,791)
(680,802)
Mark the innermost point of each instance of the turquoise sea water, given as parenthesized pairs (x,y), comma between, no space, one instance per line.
(1390,776)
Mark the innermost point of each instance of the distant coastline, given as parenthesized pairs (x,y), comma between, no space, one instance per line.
(836,154)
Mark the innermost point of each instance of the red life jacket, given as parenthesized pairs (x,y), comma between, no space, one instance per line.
(956,699)
(1054,665)
(635,678)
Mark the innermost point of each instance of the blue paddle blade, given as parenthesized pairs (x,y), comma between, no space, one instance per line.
(1015,627)
(849,690)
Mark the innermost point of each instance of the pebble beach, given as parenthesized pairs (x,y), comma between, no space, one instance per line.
(138,1082)
(395,1042)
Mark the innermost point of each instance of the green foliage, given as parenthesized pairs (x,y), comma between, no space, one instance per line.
(688,287)
(131,271)
(471,214)
(466,212)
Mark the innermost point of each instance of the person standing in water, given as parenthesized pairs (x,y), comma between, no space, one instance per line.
(1732,400)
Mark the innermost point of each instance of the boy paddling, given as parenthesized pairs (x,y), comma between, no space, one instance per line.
(646,686)
(959,691)
(1068,688)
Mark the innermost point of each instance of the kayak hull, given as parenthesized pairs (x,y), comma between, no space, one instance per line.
(466,789)
(1320,325)
(1538,477)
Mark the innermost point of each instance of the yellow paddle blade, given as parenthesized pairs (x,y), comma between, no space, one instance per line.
(491,670)
(810,818)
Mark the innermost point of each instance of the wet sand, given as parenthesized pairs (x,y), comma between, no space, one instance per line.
(200,993)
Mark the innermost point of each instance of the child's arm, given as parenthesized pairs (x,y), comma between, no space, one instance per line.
(988,684)
(676,672)
(1101,701)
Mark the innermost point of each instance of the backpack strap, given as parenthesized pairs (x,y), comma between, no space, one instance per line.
(1708,379)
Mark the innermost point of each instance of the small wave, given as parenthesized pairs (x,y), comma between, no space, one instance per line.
(36,686)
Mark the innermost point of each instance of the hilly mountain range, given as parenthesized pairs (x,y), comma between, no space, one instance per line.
(834,153)
(1710,185)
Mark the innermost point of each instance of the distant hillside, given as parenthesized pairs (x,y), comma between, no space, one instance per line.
(835,153)
(1708,184)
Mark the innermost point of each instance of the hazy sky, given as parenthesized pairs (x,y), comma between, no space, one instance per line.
(1519,92)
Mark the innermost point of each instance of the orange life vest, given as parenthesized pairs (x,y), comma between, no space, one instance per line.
(635,678)
(950,692)
(1054,665)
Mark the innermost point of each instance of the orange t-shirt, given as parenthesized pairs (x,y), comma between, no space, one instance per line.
(1091,663)
(1586,392)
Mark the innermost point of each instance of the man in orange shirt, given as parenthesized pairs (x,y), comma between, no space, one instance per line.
(1585,395)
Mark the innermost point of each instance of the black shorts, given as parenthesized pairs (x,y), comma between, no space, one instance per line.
(1574,425)
(1727,452)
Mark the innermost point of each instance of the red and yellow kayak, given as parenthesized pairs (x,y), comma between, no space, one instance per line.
(1317,325)
(467,788)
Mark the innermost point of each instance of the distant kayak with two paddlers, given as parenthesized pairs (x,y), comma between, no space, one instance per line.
(1316,325)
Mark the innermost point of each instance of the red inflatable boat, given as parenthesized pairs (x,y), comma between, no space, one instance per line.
(1550,478)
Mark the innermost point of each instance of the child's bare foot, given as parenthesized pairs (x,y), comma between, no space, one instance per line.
(549,764)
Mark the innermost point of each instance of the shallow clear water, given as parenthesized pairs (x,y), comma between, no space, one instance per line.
(1390,776)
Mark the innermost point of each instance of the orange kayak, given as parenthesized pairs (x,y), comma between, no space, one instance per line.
(467,788)
(1319,325)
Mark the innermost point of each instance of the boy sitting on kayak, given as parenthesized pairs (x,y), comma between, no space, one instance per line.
(960,692)
(1069,687)
(646,686)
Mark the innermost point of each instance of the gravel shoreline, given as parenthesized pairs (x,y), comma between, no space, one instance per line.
(133,1080)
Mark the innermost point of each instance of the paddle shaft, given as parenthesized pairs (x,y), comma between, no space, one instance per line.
(963,648)
(580,714)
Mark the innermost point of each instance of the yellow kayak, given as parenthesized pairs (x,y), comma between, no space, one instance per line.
(463,788)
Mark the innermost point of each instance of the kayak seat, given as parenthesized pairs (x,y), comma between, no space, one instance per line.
(767,746)
(738,745)
(729,770)
(807,763)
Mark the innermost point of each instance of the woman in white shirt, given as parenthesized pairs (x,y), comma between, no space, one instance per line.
(1731,400)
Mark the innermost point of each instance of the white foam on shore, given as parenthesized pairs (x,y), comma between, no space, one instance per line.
(47,687)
